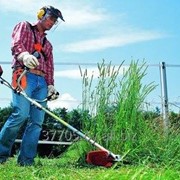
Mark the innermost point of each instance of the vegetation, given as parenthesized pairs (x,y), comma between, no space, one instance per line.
(113,115)
(54,169)
(120,122)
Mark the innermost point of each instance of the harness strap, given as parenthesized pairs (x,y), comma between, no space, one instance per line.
(37,46)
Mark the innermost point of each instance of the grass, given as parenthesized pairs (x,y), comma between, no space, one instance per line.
(119,126)
(54,169)
(115,102)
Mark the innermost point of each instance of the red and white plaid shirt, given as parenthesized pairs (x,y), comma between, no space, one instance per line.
(23,40)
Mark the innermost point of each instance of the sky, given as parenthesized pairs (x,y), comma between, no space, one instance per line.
(113,30)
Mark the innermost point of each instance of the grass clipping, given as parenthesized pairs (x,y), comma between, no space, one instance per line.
(75,155)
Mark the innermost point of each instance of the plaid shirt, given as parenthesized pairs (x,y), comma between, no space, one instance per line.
(23,40)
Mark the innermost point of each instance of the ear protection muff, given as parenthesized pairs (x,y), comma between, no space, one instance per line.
(49,10)
(41,13)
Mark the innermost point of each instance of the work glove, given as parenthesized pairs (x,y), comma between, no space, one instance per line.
(29,60)
(52,93)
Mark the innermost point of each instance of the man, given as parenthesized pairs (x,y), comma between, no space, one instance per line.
(31,50)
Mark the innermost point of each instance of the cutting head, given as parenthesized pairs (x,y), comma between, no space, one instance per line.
(100,158)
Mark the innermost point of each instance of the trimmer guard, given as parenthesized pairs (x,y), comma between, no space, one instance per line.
(101,158)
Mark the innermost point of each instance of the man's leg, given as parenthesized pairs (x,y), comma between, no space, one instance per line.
(10,129)
(31,135)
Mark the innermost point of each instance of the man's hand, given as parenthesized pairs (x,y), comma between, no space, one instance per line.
(52,93)
(29,60)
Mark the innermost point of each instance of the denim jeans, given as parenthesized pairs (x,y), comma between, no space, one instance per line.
(22,110)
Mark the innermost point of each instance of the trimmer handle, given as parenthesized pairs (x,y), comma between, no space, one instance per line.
(49,97)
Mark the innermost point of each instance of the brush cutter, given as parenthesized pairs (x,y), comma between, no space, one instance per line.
(101,157)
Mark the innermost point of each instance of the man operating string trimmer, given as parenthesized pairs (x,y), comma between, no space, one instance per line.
(30,49)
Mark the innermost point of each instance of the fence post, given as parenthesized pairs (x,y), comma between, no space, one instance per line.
(164,96)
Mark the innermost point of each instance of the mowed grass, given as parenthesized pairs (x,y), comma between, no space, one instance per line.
(52,169)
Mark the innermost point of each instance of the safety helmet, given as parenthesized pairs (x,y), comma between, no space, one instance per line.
(49,11)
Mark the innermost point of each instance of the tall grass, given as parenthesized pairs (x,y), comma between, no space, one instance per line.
(115,102)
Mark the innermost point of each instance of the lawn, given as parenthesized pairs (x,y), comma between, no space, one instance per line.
(52,169)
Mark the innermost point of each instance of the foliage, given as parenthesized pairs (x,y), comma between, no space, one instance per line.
(4,114)
(175,121)
(118,119)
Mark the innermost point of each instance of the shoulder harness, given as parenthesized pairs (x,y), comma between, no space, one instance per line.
(38,46)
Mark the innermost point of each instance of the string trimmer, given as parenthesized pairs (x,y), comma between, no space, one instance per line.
(101,157)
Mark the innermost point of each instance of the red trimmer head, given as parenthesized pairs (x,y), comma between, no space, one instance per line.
(101,158)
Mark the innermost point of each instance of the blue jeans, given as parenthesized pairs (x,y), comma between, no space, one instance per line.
(22,110)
